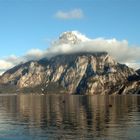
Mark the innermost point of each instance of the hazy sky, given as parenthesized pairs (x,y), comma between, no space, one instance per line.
(30,24)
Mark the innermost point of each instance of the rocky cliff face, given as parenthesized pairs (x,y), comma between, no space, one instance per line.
(132,85)
(138,72)
(81,73)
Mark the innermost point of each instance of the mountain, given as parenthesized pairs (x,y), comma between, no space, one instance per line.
(134,77)
(138,71)
(133,84)
(80,73)
(73,73)
(72,37)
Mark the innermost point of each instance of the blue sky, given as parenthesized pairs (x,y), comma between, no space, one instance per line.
(26,24)
(31,24)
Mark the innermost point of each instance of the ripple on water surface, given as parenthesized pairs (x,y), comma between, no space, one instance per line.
(61,117)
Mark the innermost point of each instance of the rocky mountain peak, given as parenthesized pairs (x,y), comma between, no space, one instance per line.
(73,73)
(82,73)
(72,37)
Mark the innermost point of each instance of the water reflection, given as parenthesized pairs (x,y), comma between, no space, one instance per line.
(69,117)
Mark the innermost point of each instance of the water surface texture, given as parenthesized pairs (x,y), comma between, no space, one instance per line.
(59,117)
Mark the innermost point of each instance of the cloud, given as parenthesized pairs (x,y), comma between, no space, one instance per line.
(34,54)
(12,60)
(4,65)
(72,14)
(122,51)
(134,65)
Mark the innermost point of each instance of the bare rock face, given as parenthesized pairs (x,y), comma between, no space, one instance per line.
(132,85)
(24,75)
(80,73)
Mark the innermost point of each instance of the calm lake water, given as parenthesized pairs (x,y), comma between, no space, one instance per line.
(59,117)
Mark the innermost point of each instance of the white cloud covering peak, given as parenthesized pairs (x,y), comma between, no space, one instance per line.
(72,14)
(12,60)
(34,54)
(120,50)
(5,64)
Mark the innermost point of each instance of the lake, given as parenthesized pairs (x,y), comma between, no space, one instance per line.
(69,117)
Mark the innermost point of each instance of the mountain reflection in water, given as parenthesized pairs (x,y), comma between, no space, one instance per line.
(62,117)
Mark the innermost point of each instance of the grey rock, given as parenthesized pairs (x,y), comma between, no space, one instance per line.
(76,73)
